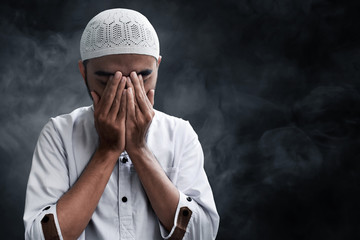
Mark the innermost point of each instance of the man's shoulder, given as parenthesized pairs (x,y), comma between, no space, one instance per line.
(167,119)
(78,115)
(174,126)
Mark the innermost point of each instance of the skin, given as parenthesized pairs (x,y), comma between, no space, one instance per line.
(122,87)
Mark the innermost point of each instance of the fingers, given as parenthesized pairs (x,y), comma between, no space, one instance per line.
(147,100)
(109,93)
(139,112)
(115,108)
(130,104)
(151,96)
(142,82)
(95,98)
(140,95)
(129,84)
(121,117)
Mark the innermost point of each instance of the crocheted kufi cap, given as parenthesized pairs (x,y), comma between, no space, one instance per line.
(119,31)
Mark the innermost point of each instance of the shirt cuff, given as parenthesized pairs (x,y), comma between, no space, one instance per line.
(182,218)
(49,223)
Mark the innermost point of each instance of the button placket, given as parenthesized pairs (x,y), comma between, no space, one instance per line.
(125,206)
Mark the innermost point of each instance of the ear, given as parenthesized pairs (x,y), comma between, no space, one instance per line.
(82,69)
(159,61)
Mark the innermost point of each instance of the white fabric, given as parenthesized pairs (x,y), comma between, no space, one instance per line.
(119,31)
(67,143)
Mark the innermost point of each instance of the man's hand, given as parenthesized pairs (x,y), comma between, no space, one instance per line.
(110,114)
(140,112)
(161,192)
(75,207)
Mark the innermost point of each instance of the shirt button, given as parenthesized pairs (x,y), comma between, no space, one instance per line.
(189,199)
(124,160)
(124,199)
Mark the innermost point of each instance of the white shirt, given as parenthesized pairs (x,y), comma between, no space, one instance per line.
(65,146)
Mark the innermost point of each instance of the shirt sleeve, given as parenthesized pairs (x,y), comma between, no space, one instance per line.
(48,181)
(196,216)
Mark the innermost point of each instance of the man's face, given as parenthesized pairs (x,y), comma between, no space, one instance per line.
(98,70)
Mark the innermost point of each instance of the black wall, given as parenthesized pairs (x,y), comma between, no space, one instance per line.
(271,87)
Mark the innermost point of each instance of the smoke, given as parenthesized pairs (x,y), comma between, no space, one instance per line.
(38,81)
(271,88)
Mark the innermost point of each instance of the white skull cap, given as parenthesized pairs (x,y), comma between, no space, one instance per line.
(119,31)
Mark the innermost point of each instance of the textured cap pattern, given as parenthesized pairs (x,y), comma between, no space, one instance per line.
(119,31)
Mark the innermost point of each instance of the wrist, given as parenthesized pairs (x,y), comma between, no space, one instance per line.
(138,152)
(107,154)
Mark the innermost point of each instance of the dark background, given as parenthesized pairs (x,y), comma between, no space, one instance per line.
(271,87)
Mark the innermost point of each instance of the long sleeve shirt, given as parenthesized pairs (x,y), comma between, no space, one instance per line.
(66,145)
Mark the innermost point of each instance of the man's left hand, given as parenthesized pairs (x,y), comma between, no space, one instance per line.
(139,114)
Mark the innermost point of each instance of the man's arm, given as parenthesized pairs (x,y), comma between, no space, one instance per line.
(198,218)
(163,195)
(75,208)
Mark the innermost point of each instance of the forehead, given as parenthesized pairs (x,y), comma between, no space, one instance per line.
(122,62)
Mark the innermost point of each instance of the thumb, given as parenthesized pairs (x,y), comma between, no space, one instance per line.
(151,96)
(95,97)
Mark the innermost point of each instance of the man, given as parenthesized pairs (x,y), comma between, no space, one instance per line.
(119,169)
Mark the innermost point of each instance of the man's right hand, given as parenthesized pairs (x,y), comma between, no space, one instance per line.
(76,206)
(110,115)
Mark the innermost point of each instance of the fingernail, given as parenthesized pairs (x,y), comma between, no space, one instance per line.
(117,74)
